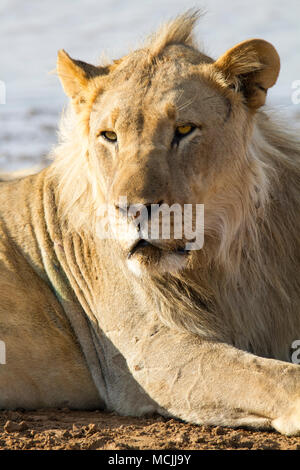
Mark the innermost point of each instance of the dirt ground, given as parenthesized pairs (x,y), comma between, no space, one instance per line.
(66,429)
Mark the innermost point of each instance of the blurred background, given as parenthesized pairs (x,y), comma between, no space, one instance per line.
(32,31)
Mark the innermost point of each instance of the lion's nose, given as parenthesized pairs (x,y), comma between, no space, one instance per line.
(139,209)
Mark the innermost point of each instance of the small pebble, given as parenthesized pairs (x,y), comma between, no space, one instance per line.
(11,426)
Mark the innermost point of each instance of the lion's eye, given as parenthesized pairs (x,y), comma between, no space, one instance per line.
(182,131)
(109,135)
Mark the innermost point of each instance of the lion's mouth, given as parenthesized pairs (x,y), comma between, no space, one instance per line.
(144,246)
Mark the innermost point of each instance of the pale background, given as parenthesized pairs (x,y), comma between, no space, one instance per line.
(31,32)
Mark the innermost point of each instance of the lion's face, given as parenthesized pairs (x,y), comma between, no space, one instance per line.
(161,143)
(166,140)
(169,129)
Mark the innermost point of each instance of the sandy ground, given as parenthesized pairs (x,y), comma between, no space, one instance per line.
(64,429)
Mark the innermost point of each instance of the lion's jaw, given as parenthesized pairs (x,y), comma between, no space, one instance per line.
(149,259)
(143,254)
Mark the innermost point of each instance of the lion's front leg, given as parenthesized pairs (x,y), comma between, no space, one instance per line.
(213,383)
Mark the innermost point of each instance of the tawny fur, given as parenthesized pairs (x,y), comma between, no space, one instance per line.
(205,343)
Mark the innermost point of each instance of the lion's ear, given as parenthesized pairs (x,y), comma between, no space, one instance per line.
(252,66)
(75,75)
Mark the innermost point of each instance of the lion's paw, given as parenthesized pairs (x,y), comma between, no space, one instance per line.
(289,423)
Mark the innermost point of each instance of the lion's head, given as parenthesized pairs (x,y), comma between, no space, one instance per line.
(166,125)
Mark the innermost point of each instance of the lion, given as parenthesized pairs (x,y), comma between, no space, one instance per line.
(138,325)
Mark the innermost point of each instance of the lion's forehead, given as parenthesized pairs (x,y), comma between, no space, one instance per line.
(140,63)
(180,98)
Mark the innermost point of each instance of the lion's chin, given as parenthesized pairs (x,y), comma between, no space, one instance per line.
(146,258)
